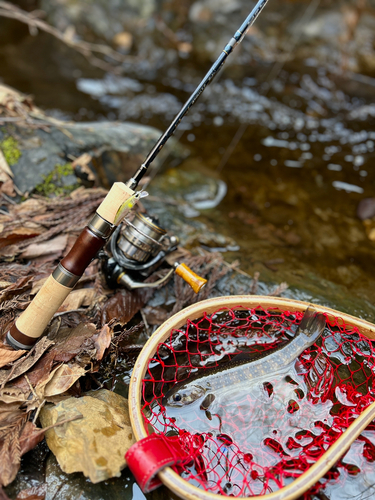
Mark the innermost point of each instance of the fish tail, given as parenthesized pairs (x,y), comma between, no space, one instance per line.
(312,323)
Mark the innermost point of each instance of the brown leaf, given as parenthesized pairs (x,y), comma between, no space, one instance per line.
(78,298)
(10,415)
(8,188)
(8,354)
(38,374)
(24,364)
(13,394)
(155,315)
(12,422)
(63,378)
(124,305)
(30,436)
(72,341)
(10,237)
(54,246)
(34,493)
(20,286)
(103,341)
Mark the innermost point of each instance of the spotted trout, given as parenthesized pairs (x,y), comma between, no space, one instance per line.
(242,368)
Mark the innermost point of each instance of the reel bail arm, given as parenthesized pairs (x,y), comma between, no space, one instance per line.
(195,281)
(138,248)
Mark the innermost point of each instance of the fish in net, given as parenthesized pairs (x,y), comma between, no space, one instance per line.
(257,437)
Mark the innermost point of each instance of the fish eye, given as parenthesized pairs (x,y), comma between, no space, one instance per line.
(177,397)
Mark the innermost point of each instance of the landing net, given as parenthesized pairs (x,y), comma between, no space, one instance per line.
(256,438)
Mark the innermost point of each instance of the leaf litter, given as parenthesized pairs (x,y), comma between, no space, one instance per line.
(83,348)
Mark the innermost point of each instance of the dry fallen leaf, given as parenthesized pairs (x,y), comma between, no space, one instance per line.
(8,354)
(13,395)
(26,363)
(17,234)
(55,246)
(34,493)
(78,298)
(12,421)
(73,341)
(124,305)
(103,341)
(63,378)
(81,166)
(96,444)
(4,167)
(30,436)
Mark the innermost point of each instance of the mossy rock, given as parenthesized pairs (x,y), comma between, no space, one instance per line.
(9,147)
(60,181)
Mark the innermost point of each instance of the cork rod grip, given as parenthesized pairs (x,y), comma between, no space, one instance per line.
(36,317)
(33,321)
(192,279)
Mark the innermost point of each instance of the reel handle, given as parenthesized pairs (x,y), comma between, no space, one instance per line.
(30,325)
(196,282)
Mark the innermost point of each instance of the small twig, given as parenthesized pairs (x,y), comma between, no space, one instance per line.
(77,417)
(145,322)
(278,290)
(11,118)
(99,384)
(8,199)
(234,267)
(254,284)
(18,362)
(31,387)
(38,410)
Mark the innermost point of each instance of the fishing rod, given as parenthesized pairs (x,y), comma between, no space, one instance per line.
(121,198)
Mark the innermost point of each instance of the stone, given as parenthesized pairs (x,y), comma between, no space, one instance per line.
(42,155)
(95,444)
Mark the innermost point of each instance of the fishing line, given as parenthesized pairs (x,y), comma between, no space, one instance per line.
(275,71)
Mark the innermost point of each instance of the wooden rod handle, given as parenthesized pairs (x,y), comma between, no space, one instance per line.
(33,321)
(196,282)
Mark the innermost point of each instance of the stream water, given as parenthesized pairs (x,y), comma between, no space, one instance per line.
(303,161)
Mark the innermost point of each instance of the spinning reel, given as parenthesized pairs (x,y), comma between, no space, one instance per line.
(138,248)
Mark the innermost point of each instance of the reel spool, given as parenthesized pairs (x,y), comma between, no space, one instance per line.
(140,247)
(354,330)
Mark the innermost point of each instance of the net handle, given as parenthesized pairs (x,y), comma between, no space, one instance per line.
(294,490)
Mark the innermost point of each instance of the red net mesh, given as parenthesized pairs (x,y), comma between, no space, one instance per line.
(257,439)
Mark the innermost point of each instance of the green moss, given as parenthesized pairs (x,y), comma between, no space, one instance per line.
(9,147)
(52,184)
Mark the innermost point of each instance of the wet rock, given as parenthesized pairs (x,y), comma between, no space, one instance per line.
(61,486)
(205,10)
(341,32)
(325,27)
(179,196)
(103,18)
(43,153)
(366,208)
